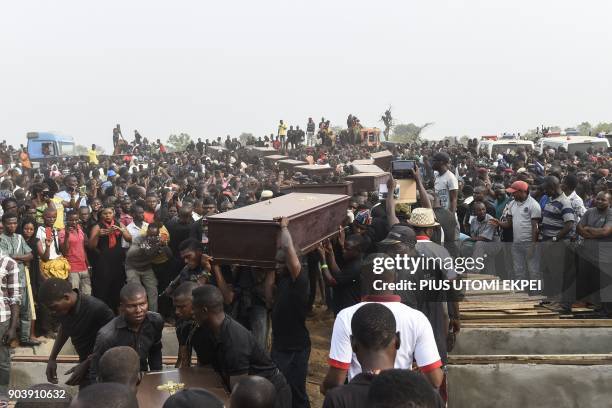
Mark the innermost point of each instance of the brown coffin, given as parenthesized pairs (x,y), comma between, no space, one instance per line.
(273,158)
(216,152)
(362,162)
(367,168)
(314,170)
(345,188)
(367,181)
(383,159)
(248,235)
(192,377)
(261,151)
(288,165)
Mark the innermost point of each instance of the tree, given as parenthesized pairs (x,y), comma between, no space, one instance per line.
(81,150)
(178,143)
(408,133)
(389,122)
(602,127)
(244,138)
(464,140)
(585,128)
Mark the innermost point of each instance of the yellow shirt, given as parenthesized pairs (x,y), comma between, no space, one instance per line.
(93,157)
(282,130)
(59,207)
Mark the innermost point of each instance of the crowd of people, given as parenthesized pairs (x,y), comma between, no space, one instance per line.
(106,251)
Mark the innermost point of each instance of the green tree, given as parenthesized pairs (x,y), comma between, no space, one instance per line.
(178,143)
(408,133)
(602,127)
(244,137)
(584,128)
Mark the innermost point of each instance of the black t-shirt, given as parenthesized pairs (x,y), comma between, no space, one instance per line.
(289,332)
(194,338)
(348,286)
(83,322)
(235,352)
(352,395)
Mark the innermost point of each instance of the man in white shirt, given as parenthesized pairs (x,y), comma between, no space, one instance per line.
(523,215)
(446,185)
(70,196)
(416,335)
(570,182)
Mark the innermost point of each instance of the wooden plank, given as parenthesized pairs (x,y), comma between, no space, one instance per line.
(555,359)
(540,323)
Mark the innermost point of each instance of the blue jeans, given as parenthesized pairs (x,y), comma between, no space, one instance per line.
(294,366)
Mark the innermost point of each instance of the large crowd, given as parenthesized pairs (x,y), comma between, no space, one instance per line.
(107,250)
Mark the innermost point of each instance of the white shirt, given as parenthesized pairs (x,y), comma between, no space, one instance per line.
(41,234)
(416,340)
(522,213)
(134,232)
(443,185)
(65,196)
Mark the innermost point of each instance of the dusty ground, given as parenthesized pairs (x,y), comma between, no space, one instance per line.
(320,327)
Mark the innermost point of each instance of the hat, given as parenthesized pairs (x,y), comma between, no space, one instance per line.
(111,173)
(193,397)
(518,186)
(400,234)
(423,218)
(508,170)
(266,194)
(522,170)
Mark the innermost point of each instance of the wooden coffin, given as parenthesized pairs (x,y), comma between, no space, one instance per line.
(216,152)
(248,235)
(273,158)
(261,151)
(345,188)
(315,170)
(367,181)
(149,395)
(287,165)
(367,168)
(362,162)
(383,159)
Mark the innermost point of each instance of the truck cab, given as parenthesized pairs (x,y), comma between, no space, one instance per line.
(44,146)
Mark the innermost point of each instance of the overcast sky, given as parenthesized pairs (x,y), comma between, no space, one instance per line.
(225,67)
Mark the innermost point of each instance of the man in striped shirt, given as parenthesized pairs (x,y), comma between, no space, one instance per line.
(558,266)
(9,317)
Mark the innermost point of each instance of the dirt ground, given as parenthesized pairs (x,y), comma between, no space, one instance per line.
(320,327)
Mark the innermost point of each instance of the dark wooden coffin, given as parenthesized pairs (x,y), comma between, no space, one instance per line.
(261,151)
(383,159)
(288,165)
(362,162)
(314,170)
(216,152)
(273,158)
(367,168)
(248,235)
(367,181)
(191,377)
(345,188)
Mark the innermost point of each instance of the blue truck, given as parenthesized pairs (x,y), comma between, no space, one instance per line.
(44,146)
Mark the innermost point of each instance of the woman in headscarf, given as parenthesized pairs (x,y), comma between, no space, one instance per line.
(108,275)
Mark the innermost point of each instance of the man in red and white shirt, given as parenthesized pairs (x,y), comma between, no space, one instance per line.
(416,335)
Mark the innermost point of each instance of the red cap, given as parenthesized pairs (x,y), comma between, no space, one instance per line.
(518,186)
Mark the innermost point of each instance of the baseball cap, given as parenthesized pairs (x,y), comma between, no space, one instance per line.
(111,173)
(518,186)
(400,234)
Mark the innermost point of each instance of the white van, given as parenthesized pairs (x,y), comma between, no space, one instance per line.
(573,144)
(492,146)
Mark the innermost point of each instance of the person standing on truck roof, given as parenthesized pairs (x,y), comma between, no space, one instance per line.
(24,157)
(93,156)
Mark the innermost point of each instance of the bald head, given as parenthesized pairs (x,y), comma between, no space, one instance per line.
(253,392)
